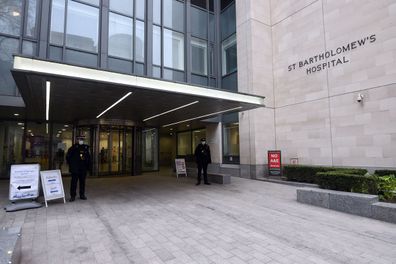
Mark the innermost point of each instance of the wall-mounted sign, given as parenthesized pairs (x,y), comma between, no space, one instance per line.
(24,181)
(52,185)
(330,58)
(274,162)
(180,167)
(294,161)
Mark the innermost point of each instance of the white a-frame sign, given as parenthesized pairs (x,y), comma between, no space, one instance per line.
(52,185)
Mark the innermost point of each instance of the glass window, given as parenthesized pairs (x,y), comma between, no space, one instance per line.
(31,28)
(139,69)
(212,27)
(37,145)
(120,36)
(156,72)
(57,22)
(199,79)
(173,75)
(29,48)
(82,26)
(211,5)
(139,41)
(119,65)
(8,46)
(10,16)
(196,137)
(231,142)
(173,14)
(123,7)
(228,22)
(199,23)
(62,140)
(184,143)
(229,55)
(55,53)
(200,3)
(230,82)
(156,45)
(11,135)
(173,50)
(92,2)
(81,58)
(199,56)
(225,3)
(140,9)
(157,12)
(150,149)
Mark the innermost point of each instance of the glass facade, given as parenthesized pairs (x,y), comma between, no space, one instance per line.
(121,36)
(187,141)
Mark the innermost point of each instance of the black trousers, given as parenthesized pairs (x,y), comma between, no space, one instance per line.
(203,166)
(79,176)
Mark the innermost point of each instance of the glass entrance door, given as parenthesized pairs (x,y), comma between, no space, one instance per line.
(115,150)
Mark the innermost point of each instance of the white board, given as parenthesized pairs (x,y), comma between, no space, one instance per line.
(180,167)
(52,185)
(24,181)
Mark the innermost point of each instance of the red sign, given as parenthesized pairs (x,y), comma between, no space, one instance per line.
(274,162)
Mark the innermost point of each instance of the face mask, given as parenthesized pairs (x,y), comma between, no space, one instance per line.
(203,142)
(80,142)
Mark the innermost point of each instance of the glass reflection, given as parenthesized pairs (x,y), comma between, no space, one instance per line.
(173,50)
(82,26)
(10,16)
(57,22)
(123,7)
(8,46)
(139,41)
(120,36)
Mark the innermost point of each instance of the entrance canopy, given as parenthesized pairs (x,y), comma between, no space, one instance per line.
(65,93)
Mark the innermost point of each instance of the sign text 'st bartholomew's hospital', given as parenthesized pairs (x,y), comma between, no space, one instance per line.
(330,54)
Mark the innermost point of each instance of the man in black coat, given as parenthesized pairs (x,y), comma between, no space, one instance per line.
(79,161)
(202,156)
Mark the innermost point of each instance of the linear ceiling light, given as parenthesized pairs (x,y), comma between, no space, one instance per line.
(199,117)
(167,112)
(111,106)
(47,99)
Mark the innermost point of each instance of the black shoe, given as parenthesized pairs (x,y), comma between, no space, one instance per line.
(72,199)
(198,183)
(83,197)
(207,183)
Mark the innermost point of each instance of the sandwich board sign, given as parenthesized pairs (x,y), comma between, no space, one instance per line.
(24,181)
(52,185)
(180,167)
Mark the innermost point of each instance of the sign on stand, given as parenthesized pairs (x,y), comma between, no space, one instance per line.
(180,167)
(52,185)
(274,162)
(24,181)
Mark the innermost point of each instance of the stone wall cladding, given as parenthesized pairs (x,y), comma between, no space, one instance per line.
(317,117)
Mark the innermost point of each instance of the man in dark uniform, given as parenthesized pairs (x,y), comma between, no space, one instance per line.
(79,161)
(202,156)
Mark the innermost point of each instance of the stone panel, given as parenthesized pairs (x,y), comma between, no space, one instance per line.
(371,64)
(295,40)
(303,132)
(364,134)
(281,9)
(258,10)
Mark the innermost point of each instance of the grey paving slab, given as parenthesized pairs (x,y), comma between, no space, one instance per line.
(156,218)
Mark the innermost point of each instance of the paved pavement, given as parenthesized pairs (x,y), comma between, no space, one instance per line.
(156,218)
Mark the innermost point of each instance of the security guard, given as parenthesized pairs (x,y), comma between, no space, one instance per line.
(202,156)
(79,161)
